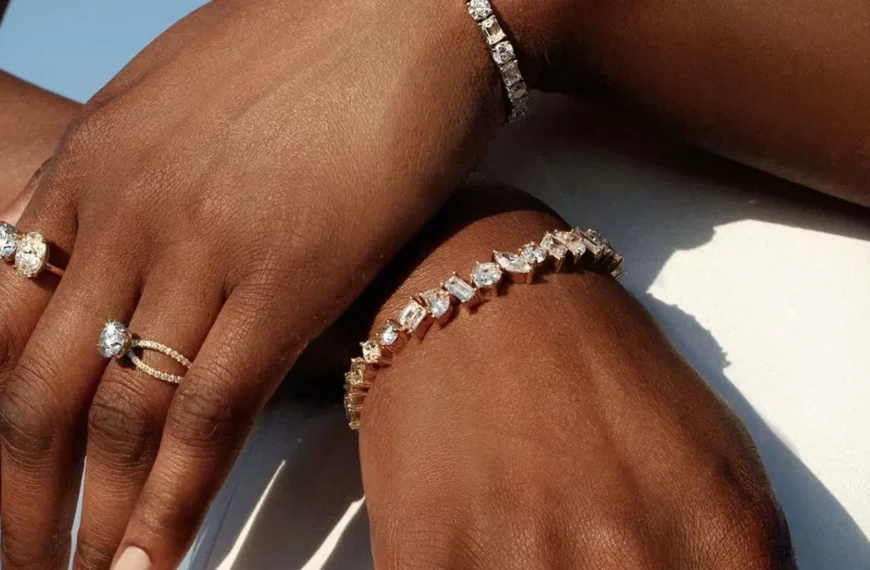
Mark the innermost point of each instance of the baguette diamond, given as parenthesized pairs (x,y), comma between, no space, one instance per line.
(412,315)
(460,289)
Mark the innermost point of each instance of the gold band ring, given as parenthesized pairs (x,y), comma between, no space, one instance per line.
(29,252)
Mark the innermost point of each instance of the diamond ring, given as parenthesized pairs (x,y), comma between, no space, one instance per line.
(116,341)
(28,251)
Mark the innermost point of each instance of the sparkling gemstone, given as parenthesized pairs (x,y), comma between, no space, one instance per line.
(533,254)
(572,242)
(479,9)
(503,52)
(31,254)
(511,73)
(486,274)
(553,246)
(512,262)
(412,315)
(518,91)
(358,368)
(114,340)
(492,30)
(8,240)
(371,351)
(390,333)
(438,301)
(460,289)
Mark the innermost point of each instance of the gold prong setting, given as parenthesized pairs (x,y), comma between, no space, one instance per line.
(486,278)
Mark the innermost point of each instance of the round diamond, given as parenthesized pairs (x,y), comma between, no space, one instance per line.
(114,340)
(31,254)
(371,351)
(8,240)
(503,52)
(486,274)
(533,254)
(479,9)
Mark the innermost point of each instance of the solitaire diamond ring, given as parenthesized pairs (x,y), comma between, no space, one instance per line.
(116,341)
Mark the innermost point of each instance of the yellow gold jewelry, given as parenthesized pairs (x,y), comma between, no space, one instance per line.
(30,252)
(555,250)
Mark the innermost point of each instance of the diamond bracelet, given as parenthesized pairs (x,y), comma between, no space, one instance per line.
(555,251)
(502,51)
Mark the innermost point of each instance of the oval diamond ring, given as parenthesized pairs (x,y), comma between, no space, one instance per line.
(116,341)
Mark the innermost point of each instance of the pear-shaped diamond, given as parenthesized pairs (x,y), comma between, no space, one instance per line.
(511,262)
(533,254)
(390,333)
(8,240)
(438,301)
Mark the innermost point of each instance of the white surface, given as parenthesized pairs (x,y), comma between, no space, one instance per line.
(763,287)
(760,284)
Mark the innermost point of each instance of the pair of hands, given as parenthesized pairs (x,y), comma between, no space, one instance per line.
(229,193)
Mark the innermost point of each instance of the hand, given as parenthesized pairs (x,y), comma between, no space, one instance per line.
(228,194)
(555,428)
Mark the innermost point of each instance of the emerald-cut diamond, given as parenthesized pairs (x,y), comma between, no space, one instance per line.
(460,289)
(511,73)
(574,244)
(371,351)
(412,315)
(8,240)
(492,30)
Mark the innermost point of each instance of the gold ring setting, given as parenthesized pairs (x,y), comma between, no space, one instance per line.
(116,341)
(28,251)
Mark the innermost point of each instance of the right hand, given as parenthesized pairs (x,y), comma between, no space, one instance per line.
(555,428)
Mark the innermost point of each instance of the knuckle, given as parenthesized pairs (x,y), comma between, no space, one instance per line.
(28,424)
(91,555)
(616,539)
(745,528)
(208,411)
(121,427)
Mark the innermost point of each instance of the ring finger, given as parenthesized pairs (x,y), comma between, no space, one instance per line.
(129,409)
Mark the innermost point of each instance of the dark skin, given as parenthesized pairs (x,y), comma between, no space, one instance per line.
(182,137)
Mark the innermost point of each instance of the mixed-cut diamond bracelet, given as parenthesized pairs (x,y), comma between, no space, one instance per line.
(504,55)
(556,250)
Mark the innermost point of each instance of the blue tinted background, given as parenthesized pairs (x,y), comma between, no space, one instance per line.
(73,47)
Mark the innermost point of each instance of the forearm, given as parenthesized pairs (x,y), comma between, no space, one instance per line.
(781,86)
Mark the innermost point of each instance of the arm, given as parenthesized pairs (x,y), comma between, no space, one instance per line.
(781,86)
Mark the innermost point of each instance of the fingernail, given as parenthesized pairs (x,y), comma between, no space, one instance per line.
(133,559)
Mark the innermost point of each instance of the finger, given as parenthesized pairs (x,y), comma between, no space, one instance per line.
(238,367)
(22,300)
(42,413)
(129,409)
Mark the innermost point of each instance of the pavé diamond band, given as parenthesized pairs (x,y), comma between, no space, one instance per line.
(556,251)
(29,252)
(504,55)
(116,341)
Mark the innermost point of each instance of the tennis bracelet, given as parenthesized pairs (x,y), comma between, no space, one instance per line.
(504,55)
(556,251)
